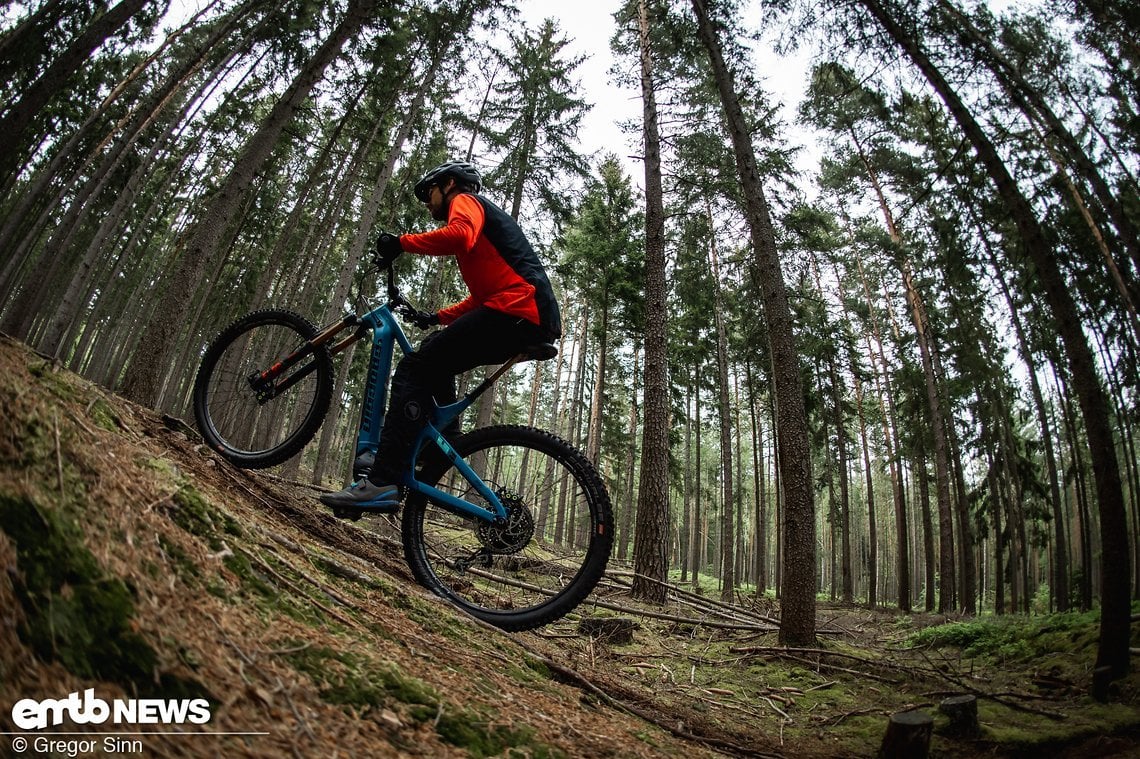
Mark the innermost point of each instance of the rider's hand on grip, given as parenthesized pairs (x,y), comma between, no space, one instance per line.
(422,319)
(387,249)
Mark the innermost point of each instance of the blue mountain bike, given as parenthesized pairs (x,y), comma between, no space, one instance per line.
(510,523)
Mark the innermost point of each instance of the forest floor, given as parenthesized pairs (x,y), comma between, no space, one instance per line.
(139,565)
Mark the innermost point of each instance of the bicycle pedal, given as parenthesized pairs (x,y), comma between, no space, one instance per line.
(344,512)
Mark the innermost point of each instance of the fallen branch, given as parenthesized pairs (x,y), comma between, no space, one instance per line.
(581,681)
(730,611)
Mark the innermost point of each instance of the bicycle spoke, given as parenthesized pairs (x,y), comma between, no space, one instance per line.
(261,424)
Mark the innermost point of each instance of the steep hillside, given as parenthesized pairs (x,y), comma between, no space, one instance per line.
(139,565)
(141,572)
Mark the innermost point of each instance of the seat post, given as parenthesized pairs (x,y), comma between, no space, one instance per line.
(490,380)
(540,352)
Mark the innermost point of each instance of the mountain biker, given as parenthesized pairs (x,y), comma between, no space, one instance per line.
(511,306)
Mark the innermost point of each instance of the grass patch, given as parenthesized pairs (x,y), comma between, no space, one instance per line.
(1014,638)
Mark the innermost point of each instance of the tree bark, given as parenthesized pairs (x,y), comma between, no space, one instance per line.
(727,533)
(1115,629)
(797,620)
(652,530)
(887,407)
(33,100)
(144,378)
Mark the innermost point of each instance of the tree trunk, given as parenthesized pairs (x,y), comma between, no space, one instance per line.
(651,542)
(1115,628)
(1034,105)
(597,400)
(144,379)
(872,524)
(947,580)
(630,462)
(760,536)
(886,405)
(931,556)
(696,539)
(727,532)
(21,113)
(797,620)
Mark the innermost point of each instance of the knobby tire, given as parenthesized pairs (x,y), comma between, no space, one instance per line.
(539,566)
(254,435)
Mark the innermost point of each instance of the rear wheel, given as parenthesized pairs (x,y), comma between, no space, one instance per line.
(255,422)
(544,560)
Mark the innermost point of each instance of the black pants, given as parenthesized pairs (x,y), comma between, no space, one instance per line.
(479,337)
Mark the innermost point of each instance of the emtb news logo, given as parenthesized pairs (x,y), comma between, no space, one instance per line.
(30,714)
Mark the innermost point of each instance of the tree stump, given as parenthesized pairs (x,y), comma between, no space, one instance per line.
(963,714)
(908,736)
(617,631)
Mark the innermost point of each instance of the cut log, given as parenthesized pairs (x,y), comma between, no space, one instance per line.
(908,736)
(963,714)
(617,631)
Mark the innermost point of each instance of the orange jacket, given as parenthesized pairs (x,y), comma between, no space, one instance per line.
(497,263)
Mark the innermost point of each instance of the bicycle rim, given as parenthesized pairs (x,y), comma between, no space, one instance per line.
(252,433)
(548,556)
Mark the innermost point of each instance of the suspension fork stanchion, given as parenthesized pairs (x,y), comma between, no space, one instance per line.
(270,374)
(332,330)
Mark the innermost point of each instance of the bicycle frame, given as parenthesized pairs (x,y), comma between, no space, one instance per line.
(386,335)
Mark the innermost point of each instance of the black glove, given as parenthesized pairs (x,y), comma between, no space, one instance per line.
(387,249)
(422,319)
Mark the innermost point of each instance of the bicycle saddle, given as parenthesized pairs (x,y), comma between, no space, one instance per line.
(539,352)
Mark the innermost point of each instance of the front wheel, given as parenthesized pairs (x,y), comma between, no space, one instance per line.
(262,391)
(544,560)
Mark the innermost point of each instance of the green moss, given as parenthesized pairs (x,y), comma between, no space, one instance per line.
(1015,638)
(186,569)
(191,512)
(1030,734)
(472,732)
(250,579)
(536,665)
(74,613)
(350,681)
(55,381)
(101,413)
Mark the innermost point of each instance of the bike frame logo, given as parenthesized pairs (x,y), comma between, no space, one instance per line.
(30,714)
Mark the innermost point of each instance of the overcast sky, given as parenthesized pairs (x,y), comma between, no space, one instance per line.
(590,25)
